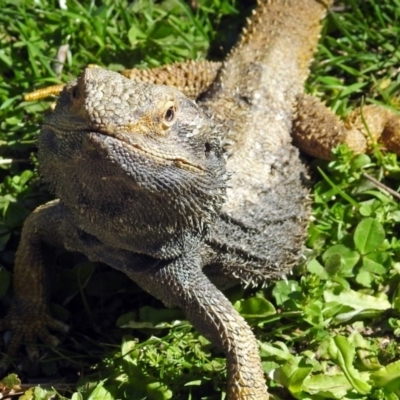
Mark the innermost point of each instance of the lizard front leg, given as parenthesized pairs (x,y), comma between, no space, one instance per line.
(182,283)
(317,130)
(29,317)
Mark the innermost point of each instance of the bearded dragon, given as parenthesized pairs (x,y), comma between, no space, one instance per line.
(142,183)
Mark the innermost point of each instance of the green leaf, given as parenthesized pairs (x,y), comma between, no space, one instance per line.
(100,393)
(316,268)
(269,350)
(77,396)
(135,35)
(357,300)
(28,395)
(348,259)
(255,307)
(388,377)
(343,352)
(40,394)
(365,354)
(157,315)
(124,320)
(11,382)
(292,374)
(369,235)
(365,278)
(148,320)
(284,289)
(327,386)
(396,298)
(158,391)
(296,380)
(360,161)
(374,263)
(197,382)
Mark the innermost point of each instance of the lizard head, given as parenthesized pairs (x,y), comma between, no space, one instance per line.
(140,153)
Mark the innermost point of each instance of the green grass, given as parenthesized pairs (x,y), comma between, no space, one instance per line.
(328,331)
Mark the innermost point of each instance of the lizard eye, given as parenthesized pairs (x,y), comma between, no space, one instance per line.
(169,114)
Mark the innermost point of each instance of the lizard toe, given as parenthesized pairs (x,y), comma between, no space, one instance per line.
(33,353)
(28,324)
(14,344)
(56,325)
(47,338)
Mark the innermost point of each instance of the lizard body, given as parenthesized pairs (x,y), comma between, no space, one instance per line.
(252,97)
(143,186)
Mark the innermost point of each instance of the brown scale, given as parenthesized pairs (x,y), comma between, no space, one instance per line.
(192,78)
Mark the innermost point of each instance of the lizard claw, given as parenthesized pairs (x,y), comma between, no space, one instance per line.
(28,323)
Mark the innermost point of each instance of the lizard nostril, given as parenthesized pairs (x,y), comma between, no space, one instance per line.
(75,93)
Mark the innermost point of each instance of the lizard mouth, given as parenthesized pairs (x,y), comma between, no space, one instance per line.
(146,151)
(155,155)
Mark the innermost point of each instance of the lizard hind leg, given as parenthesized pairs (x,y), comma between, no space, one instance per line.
(317,130)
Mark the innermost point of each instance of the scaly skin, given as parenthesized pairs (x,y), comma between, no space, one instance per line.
(316,130)
(192,78)
(30,299)
(253,99)
(141,180)
(139,172)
